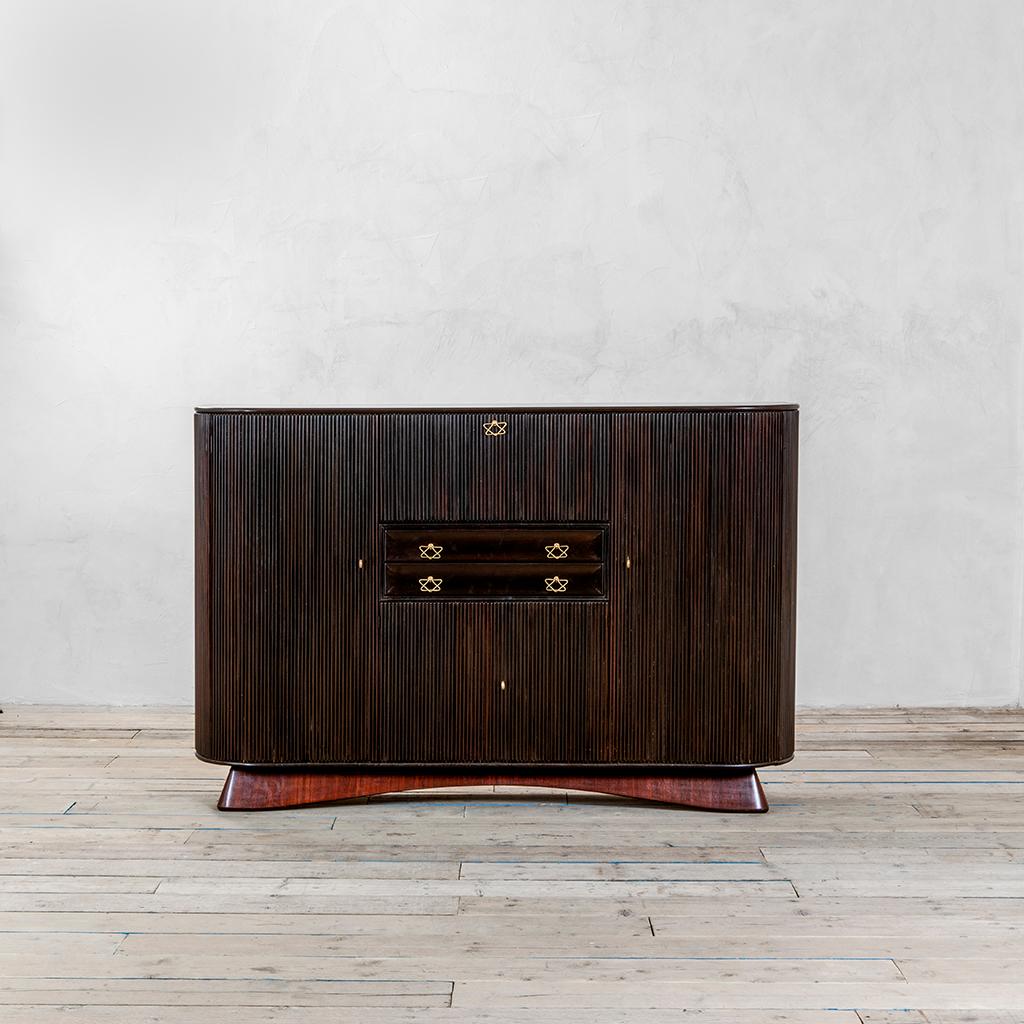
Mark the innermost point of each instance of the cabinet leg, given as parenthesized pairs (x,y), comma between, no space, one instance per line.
(263,789)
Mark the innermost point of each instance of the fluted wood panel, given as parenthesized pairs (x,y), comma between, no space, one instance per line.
(689,661)
(443,665)
(443,467)
(703,621)
(293,630)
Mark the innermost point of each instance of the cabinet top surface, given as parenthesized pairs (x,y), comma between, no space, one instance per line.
(504,408)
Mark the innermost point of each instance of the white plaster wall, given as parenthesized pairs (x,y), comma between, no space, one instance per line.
(262,202)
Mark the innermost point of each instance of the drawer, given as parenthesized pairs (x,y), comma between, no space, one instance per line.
(496,579)
(493,544)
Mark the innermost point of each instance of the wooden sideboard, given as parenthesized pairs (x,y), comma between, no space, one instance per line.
(587,598)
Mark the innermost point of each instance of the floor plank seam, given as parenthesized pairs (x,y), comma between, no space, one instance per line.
(850,901)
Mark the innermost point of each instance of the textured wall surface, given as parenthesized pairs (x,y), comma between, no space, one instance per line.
(370,202)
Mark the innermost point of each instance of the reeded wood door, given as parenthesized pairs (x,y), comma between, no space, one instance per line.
(287,630)
(703,620)
(459,467)
(492,682)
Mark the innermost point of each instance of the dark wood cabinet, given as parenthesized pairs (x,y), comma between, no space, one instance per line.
(599,596)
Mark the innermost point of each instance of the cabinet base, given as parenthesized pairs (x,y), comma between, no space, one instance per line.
(264,789)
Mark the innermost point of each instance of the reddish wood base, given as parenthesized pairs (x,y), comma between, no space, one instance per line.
(261,789)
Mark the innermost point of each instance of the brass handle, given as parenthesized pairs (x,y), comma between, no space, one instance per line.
(430,584)
(431,551)
(556,584)
(556,550)
(495,428)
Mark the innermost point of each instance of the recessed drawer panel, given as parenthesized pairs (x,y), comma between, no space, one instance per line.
(520,580)
(487,544)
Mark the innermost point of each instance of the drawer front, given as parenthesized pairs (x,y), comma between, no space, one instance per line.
(521,580)
(512,544)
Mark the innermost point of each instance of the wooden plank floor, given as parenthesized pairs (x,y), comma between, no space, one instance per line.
(886,885)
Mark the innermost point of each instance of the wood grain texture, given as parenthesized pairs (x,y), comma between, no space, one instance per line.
(494,580)
(685,659)
(503,544)
(702,641)
(886,886)
(252,789)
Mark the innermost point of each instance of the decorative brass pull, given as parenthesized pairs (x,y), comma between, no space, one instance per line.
(556,584)
(556,550)
(430,551)
(495,428)
(431,584)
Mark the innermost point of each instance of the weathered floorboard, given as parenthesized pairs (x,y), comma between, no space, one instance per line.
(886,884)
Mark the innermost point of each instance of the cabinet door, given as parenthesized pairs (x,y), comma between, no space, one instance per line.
(478,682)
(557,681)
(703,620)
(460,468)
(287,627)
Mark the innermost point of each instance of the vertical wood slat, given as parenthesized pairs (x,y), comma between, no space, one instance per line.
(690,661)
(203,540)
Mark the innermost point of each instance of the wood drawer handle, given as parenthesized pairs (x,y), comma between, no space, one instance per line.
(431,584)
(431,551)
(556,584)
(556,550)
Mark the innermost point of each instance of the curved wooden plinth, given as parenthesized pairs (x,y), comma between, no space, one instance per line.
(261,789)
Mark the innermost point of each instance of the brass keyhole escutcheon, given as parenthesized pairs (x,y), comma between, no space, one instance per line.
(556,584)
(430,584)
(431,551)
(556,550)
(495,428)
